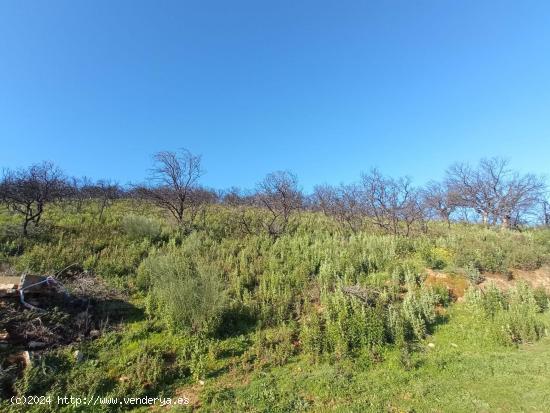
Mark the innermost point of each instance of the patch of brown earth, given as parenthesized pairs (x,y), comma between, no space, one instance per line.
(456,284)
(539,278)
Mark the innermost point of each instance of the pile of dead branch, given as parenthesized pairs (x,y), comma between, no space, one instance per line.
(367,296)
(47,319)
(89,307)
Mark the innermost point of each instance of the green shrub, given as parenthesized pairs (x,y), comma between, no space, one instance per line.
(48,259)
(311,335)
(520,322)
(515,314)
(41,377)
(138,227)
(275,345)
(442,293)
(419,310)
(118,260)
(541,297)
(438,258)
(343,326)
(473,274)
(496,251)
(184,293)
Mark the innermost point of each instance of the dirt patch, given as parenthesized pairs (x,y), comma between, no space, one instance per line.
(456,284)
(539,278)
(9,279)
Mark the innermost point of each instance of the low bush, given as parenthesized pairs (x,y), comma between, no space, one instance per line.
(473,274)
(419,311)
(515,314)
(117,261)
(496,251)
(184,293)
(275,345)
(138,227)
(438,258)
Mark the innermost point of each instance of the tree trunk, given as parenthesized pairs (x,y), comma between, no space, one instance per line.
(506,221)
(102,208)
(484,218)
(25,225)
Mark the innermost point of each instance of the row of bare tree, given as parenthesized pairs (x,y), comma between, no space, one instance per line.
(174,186)
(392,205)
(27,191)
(489,193)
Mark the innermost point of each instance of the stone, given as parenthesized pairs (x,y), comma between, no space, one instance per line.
(8,286)
(27,358)
(95,333)
(78,356)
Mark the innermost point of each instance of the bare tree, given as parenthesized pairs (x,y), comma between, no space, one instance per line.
(232,196)
(391,204)
(199,198)
(243,204)
(324,199)
(105,192)
(173,181)
(471,192)
(518,198)
(545,212)
(343,203)
(494,191)
(278,193)
(77,191)
(439,201)
(28,191)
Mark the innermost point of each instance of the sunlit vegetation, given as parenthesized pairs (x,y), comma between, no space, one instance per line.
(270,301)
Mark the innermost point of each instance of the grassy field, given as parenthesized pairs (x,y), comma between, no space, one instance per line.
(465,372)
(318,319)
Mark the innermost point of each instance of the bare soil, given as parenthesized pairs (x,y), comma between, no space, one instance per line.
(458,284)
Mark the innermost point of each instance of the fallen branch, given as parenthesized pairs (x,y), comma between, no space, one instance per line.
(367,296)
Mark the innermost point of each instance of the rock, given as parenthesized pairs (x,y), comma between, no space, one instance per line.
(78,356)
(22,358)
(8,290)
(8,286)
(201,382)
(123,378)
(27,358)
(431,345)
(95,333)
(35,345)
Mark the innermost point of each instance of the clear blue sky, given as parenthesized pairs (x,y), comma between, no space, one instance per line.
(326,89)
